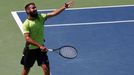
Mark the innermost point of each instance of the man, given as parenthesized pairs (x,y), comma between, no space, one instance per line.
(33,30)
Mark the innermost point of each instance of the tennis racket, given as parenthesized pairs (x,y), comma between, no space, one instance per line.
(68,52)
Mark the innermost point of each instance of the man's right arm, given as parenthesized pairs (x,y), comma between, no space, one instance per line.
(30,41)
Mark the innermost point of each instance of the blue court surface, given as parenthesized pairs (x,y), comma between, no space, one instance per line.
(104,37)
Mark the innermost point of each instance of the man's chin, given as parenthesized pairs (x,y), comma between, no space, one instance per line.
(34,15)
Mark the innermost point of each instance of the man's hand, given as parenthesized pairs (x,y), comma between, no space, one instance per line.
(58,11)
(69,4)
(43,49)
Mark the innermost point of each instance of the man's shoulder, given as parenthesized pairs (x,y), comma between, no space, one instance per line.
(26,22)
(43,15)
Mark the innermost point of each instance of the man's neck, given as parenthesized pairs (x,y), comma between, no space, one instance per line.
(31,18)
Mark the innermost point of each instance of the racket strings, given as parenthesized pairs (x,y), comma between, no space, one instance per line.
(68,52)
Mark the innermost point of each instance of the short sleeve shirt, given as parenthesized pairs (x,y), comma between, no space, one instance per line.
(35,28)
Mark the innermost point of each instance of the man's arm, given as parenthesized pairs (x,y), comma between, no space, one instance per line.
(30,41)
(57,11)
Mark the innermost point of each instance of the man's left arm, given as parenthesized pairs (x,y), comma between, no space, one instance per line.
(58,11)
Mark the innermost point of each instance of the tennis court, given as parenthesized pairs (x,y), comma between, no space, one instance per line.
(102,35)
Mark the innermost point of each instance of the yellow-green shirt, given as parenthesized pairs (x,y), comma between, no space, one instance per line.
(35,28)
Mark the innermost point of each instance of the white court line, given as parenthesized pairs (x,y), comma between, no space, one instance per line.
(90,23)
(98,7)
(17,19)
(19,22)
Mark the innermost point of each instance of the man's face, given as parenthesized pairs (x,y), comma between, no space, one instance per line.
(32,11)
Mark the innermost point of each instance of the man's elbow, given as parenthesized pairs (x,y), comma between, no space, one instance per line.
(27,38)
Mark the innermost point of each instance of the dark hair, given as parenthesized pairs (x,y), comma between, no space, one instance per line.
(27,5)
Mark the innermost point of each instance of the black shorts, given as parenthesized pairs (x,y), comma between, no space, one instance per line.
(30,56)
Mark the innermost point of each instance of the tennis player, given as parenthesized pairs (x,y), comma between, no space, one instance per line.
(33,29)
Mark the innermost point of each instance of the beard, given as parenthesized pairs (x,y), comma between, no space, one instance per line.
(35,14)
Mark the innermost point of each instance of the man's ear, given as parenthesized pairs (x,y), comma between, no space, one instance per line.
(27,11)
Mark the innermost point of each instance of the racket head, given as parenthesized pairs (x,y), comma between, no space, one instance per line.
(68,52)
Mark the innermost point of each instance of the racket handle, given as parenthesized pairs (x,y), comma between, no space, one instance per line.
(50,49)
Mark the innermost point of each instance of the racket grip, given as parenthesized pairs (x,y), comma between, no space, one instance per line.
(50,49)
